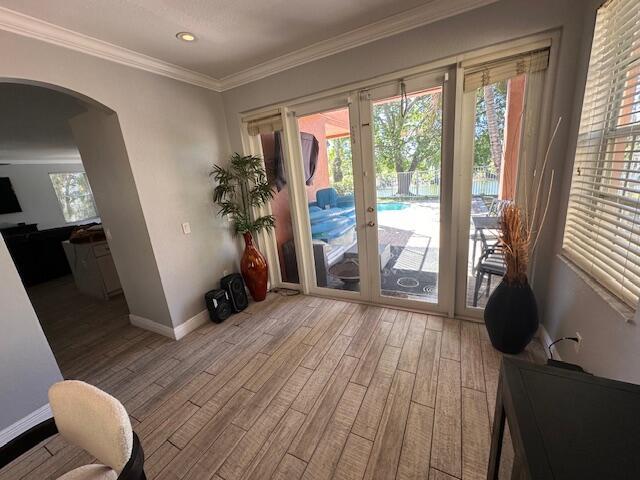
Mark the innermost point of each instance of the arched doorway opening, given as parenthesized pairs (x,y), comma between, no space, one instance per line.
(64,168)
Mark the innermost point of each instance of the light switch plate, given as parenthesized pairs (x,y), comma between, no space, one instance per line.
(186,228)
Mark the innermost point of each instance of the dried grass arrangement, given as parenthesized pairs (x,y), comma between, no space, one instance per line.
(519,231)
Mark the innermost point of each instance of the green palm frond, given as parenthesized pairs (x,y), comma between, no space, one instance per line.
(240,188)
(268,222)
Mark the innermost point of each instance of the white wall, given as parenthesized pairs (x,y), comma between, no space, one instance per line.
(34,190)
(173,133)
(27,366)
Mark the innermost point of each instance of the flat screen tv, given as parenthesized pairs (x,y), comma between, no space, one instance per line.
(8,200)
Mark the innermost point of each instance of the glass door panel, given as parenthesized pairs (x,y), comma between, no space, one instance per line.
(327,162)
(407,156)
(274,163)
(499,110)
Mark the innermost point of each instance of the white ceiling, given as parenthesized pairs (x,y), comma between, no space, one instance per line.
(233,35)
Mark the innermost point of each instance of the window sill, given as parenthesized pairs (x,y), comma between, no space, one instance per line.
(625,311)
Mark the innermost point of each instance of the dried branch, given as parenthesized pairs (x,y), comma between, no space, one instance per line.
(541,177)
(544,214)
(518,234)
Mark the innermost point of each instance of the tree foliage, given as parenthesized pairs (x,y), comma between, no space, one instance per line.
(410,138)
(241,187)
(482,141)
(340,164)
(75,196)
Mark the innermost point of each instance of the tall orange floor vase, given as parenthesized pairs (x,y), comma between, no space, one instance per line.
(254,268)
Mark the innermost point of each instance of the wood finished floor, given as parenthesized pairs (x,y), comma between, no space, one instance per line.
(293,388)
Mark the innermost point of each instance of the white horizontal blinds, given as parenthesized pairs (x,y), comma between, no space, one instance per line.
(602,232)
(269,124)
(505,68)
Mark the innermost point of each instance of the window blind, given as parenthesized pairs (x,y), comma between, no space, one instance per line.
(602,231)
(269,124)
(505,68)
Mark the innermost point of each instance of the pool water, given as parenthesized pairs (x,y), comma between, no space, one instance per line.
(384,207)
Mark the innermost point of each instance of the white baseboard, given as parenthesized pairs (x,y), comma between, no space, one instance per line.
(24,424)
(546,340)
(191,324)
(175,333)
(152,326)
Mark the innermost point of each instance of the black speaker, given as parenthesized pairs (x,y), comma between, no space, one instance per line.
(218,304)
(234,286)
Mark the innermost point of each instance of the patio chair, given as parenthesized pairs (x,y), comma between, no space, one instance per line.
(93,420)
(496,207)
(491,263)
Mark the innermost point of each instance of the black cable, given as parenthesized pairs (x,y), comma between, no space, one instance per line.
(573,339)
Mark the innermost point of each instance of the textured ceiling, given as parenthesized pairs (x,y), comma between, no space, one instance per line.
(232,34)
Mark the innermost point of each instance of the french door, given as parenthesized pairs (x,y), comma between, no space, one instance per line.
(376,173)
(383,209)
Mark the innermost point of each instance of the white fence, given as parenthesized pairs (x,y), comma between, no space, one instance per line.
(426,183)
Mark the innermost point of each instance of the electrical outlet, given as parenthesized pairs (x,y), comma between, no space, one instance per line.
(225,273)
(186,228)
(578,344)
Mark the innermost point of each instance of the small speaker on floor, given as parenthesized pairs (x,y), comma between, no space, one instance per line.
(218,304)
(234,286)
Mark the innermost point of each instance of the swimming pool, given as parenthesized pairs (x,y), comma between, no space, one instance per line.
(387,206)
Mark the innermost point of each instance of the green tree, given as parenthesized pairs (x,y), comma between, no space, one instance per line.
(491,106)
(408,136)
(340,164)
(74,194)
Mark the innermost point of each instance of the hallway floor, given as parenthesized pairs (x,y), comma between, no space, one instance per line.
(296,387)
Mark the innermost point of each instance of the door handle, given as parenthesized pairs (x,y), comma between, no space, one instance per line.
(371,224)
(370,209)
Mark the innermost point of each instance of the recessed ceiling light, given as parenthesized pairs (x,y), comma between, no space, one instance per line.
(186,36)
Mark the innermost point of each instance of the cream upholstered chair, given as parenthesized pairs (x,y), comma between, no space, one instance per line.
(92,420)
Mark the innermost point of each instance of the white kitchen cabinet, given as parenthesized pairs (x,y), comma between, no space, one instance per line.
(93,269)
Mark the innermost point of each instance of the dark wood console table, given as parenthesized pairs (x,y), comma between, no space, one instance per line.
(563,424)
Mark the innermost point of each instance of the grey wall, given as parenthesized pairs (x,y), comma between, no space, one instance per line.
(27,366)
(173,133)
(567,304)
(35,193)
(99,139)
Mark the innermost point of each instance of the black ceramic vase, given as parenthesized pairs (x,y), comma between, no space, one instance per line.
(511,317)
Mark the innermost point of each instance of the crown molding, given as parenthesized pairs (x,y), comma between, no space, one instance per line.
(431,12)
(27,26)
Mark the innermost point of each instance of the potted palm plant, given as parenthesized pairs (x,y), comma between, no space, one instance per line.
(511,313)
(240,189)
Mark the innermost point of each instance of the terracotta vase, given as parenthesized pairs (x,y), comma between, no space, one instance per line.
(254,268)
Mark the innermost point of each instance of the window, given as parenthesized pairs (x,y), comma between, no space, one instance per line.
(602,232)
(74,194)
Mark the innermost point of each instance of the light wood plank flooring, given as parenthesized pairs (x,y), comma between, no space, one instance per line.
(293,388)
